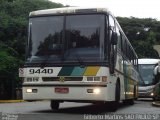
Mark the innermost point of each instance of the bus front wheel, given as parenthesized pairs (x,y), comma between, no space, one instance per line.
(54,105)
(129,102)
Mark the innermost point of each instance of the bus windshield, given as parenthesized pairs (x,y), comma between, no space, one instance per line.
(71,38)
(146,72)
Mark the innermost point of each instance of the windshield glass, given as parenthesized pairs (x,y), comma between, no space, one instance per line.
(45,37)
(70,38)
(146,72)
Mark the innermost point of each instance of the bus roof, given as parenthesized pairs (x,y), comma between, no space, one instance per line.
(148,61)
(68,10)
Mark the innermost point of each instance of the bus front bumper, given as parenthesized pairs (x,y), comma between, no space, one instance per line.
(67,93)
(146,94)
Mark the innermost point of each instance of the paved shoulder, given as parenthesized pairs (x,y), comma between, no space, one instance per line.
(11,101)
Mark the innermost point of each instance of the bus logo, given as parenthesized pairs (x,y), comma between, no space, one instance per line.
(61,79)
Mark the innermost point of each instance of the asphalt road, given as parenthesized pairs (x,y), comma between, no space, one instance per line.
(141,110)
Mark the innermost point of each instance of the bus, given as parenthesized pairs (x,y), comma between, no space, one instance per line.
(78,54)
(150,77)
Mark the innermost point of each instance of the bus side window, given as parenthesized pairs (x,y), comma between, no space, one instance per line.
(124,45)
(121,41)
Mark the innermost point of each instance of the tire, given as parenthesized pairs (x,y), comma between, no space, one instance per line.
(135,98)
(54,105)
(117,92)
(112,106)
(135,93)
(131,101)
(128,102)
(154,98)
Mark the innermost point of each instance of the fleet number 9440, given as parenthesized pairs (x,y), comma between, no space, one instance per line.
(39,71)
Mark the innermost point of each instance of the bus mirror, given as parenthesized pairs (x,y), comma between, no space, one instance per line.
(156,70)
(114,38)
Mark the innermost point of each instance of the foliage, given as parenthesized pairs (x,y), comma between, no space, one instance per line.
(143,34)
(14,20)
(13,34)
(7,59)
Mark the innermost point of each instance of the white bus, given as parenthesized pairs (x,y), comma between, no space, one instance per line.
(80,55)
(148,69)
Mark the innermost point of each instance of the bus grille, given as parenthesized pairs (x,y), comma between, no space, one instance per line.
(50,79)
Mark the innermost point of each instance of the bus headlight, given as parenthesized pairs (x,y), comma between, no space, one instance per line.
(93,79)
(104,79)
(35,79)
(90,79)
(96,91)
(30,79)
(97,79)
(152,94)
(29,90)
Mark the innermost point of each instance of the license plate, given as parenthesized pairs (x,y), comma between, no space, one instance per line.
(61,90)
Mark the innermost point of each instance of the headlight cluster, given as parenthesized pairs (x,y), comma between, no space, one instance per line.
(29,90)
(32,79)
(93,79)
(95,91)
(97,79)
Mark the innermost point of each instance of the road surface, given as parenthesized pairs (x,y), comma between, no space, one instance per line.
(40,110)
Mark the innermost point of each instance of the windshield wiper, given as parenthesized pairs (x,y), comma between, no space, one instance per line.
(68,55)
(80,61)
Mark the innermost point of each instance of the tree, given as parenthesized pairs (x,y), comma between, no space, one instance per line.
(13,37)
(143,34)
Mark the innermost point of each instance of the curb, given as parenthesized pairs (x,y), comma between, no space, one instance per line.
(157,103)
(11,101)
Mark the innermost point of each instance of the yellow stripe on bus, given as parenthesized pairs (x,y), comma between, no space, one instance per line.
(91,71)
